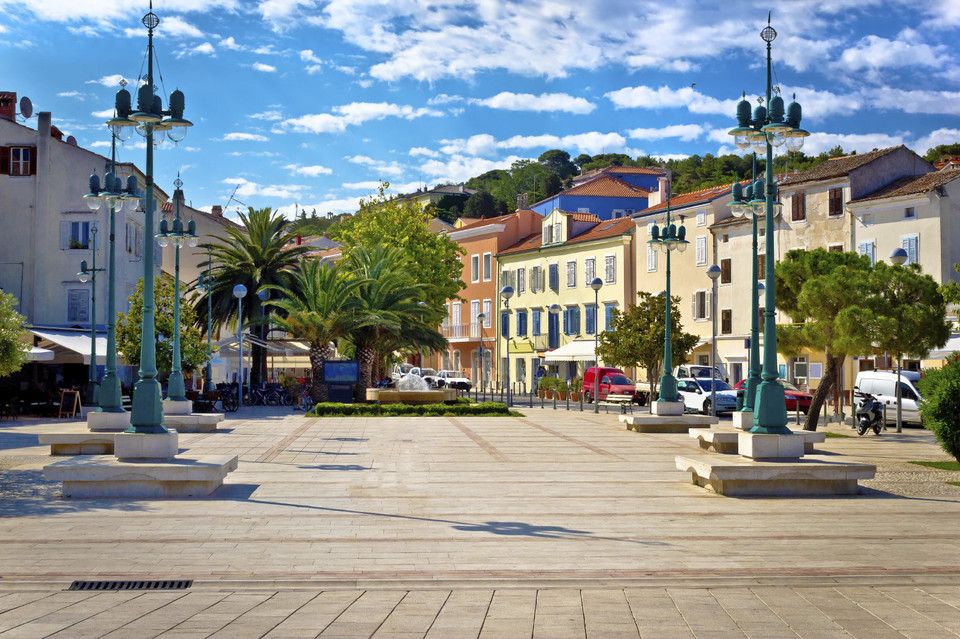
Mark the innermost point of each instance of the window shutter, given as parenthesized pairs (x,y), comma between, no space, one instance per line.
(504,324)
(64,235)
(576,320)
(5,160)
(33,160)
(701,250)
(707,303)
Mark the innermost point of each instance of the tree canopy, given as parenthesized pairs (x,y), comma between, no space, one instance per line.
(637,336)
(430,258)
(193,349)
(13,351)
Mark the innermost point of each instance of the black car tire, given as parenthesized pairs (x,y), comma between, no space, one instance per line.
(706,407)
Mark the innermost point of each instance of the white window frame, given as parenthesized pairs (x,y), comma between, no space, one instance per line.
(903,244)
(618,213)
(23,164)
(868,247)
(701,218)
(474,313)
(536,272)
(650,226)
(475,268)
(66,309)
(583,210)
(521,280)
(701,243)
(651,259)
(910,208)
(704,313)
(487,267)
(589,270)
(571,274)
(487,313)
(557,233)
(610,274)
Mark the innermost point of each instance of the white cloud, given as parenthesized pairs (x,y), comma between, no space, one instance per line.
(265,68)
(874,52)
(111,81)
(390,169)
(204,48)
(371,185)
(543,102)
(248,188)
(231,44)
(105,114)
(73,94)
(644,97)
(591,142)
(245,137)
(935,138)
(916,101)
(178,28)
(461,168)
(443,98)
(332,205)
(107,10)
(269,114)
(313,69)
(420,150)
(354,114)
(310,171)
(686,132)
(307,55)
(861,142)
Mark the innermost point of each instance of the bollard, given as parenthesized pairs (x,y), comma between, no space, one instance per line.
(554,400)
(568,400)
(541,401)
(581,401)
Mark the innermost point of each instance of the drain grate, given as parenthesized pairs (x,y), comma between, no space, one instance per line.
(171,584)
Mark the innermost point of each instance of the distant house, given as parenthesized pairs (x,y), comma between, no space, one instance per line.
(606,197)
(432,196)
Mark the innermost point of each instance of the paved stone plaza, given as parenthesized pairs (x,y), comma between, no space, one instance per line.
(553,525)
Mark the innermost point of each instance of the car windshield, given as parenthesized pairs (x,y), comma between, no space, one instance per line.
(705,384)
(789,386)
(620,379)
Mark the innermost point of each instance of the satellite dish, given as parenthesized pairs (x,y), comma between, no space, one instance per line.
(71,140)
(26,107)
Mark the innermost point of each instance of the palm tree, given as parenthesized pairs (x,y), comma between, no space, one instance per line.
(319,305)
(261,254)
(392,316)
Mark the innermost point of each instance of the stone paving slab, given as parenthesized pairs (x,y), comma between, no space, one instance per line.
(553,525)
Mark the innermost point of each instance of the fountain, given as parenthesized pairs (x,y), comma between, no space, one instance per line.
(411,389)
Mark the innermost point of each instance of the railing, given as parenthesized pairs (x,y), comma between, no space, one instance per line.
(466,331)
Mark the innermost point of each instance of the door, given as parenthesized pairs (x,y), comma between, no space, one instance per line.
(553,330)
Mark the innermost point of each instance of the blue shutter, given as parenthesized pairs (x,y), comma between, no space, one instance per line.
(554,276)
(608,316)
(521,323)
(566,321)
(591,320)
(504,324)
(576,321)
(536,323)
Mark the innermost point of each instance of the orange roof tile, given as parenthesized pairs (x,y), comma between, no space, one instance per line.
(606,186)
(585,217)
(912,185)
(603,230)
(693,197)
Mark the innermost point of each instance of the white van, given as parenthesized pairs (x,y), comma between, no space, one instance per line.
(883,386)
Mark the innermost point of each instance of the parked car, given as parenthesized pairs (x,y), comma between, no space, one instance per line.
(883,386)
(696,394)
(699,370)
(613,381)
(795,398)
(453,379)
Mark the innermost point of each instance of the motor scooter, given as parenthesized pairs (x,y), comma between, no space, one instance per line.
(869,413)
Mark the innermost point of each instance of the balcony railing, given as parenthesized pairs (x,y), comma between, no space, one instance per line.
(467,331)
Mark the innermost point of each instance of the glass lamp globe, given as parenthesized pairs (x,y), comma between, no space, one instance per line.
(794,143)
(177,133)
(776,140)
(759,145)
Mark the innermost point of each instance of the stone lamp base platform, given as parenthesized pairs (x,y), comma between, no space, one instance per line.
(667,423)
(80,443)
(103,421)
(735,476)
(98,476)
(194,422)
(727,441)
(175,407)
(742,420)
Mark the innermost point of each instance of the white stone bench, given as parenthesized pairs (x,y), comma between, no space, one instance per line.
(99,476)
(193,423)
(85,443)
(736,476)
(726,441)
(667,423)
(621,401)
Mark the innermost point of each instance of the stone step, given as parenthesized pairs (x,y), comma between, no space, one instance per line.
(97,476)
(82,443)
(726,441)
(193,423)
(667,423)
(736,476)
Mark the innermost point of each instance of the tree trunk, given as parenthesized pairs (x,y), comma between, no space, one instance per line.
(318,391)
(830,381)
(651,375)
(367,358)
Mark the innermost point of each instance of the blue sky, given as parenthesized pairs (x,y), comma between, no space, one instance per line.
(311,102)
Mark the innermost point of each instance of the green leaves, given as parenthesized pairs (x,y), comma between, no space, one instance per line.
(12,350)
(940,408)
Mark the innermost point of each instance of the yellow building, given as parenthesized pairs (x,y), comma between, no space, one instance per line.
(554,268)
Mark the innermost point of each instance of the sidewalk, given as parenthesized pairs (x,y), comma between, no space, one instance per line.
(557,524)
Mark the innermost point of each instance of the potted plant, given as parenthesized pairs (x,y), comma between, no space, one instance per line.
(576,389)
(549,385)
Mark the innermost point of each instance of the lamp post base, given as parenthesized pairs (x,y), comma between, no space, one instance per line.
(102,420)
(742,419)
(146,414)
(668,408)
(770,416)
(177,407)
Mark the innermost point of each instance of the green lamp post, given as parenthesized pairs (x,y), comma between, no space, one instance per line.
(669,239)
(506,293)
(596,284)
(116,197)
(176,390)
(90,274)
(207,284)
(146,416)
(764,131)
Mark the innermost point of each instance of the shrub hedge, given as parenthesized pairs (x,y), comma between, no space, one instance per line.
(940,406)
(456,409)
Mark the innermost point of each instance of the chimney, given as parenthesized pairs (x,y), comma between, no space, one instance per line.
(299,240)
(462,190)
(8,105)
(326,235)
(217,210)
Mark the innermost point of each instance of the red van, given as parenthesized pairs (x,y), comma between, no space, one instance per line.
(612,381)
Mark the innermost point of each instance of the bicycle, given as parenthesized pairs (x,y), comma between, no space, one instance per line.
(228,398)
(303,398)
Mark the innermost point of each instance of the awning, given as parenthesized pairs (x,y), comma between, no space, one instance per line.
(520,348)
(37,354)
(71,346)
(952,346)
(576,351)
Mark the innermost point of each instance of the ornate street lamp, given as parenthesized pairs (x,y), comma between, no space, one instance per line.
(713,272)
(898,257)
(506,293)
(176,390)
(116,197)
(239,292)
(84,275)
(207,284)
(669,239)
(766,130)
(596,284)
(149,117)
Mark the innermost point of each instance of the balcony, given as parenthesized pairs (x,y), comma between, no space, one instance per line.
(465,332)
